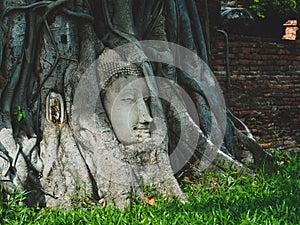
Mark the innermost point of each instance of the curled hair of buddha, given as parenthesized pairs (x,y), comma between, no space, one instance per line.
(110,66)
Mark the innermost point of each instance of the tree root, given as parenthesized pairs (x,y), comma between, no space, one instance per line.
(248,140)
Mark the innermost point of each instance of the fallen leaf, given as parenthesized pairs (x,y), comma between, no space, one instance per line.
(151,201)
(102,202)
(265,145)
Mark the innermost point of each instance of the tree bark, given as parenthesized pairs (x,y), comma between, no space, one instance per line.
(52,149)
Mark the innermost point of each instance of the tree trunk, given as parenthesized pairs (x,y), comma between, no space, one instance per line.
(59,152)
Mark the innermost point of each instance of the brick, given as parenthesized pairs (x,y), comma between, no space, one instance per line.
(265,79)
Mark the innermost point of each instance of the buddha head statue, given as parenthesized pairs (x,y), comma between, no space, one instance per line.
(124,94)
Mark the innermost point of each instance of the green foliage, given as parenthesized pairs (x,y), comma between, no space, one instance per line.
(283,7)
(11,207)
(19,113)
(82,197)
(270,197)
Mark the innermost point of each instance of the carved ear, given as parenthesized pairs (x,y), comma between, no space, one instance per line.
(55,112)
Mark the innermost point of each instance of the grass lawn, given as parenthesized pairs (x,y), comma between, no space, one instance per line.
(271,197)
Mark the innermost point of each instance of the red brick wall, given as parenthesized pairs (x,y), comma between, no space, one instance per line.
(265,86)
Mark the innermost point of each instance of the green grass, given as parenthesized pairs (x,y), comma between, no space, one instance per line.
(271,197)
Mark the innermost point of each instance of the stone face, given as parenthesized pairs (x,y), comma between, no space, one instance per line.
(125,102)
(125,96)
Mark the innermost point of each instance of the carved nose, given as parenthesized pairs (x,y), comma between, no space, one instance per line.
(144,116)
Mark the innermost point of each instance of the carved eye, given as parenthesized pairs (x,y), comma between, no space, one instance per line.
(128,98)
